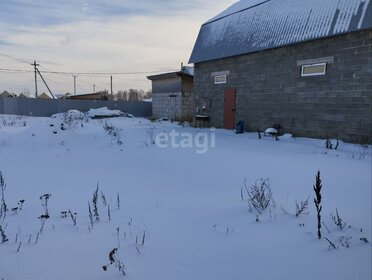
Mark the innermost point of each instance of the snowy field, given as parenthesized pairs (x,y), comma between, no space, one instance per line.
(184,212)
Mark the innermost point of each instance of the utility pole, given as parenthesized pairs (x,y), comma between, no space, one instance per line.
(41,76)
(35,70)
(94,88)
(111,86)
(45,83)
(74,76)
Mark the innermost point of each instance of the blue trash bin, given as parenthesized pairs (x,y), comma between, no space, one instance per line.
(239,129)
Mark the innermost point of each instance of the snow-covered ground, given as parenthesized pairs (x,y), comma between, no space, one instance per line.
(187,201)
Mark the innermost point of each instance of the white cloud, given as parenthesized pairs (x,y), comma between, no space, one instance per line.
(133,43)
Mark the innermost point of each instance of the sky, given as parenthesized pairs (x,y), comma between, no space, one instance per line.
(97,36)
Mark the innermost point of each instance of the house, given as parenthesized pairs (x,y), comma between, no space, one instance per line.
(305,66)
(172,94)
(99,95)
(44,96)
(22,95)
(6,94)
(64,96)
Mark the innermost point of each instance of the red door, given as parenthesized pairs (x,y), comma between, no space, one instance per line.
(229,109)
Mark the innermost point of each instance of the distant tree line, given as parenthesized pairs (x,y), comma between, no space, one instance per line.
(132,94)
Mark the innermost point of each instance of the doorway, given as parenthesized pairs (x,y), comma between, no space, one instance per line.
(229,108)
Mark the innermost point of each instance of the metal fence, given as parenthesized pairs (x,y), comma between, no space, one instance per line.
(45,107)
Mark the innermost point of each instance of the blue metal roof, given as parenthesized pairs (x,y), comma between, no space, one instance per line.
(253,25)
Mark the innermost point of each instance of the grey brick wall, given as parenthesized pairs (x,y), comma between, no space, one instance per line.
(270,89)
(167,105)
(173,105)
(187,106)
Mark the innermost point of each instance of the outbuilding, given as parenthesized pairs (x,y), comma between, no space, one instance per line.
(172,94)
(303,65)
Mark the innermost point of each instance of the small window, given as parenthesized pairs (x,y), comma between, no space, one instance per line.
(313,69)
(220,79)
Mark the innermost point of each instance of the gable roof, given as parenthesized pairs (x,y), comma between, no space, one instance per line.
(44,96)
(97,94)
(253,25)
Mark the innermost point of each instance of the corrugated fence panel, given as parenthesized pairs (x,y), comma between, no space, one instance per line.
(1,105)
(45,108)
(10,106)
(36,107)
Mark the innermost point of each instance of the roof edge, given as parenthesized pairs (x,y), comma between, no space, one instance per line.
(281,46)
(233,13)
(173,74)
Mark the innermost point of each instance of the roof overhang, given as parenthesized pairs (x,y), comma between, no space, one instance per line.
(169,75)
(255,25)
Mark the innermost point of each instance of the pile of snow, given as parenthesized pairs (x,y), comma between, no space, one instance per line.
(271,131)
(70,114)
(104,112)
(286,136)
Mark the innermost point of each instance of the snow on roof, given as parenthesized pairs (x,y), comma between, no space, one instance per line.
(188,70)
(254,25)
(185,70)
(238,7)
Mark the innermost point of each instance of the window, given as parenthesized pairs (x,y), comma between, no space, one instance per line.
(313,69)
(220,79)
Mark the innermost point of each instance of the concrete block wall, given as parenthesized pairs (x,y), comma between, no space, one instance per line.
(188,107)
(167,105)
(270,89)
(173,105)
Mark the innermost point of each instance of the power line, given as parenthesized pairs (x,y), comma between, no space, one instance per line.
(36,70)
(15,71)
(45,83)
(91,77)
(8,70)
(58,82)
(46,69)
(21,60)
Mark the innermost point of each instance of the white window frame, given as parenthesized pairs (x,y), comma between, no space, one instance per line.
(224,81)
(314,74)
